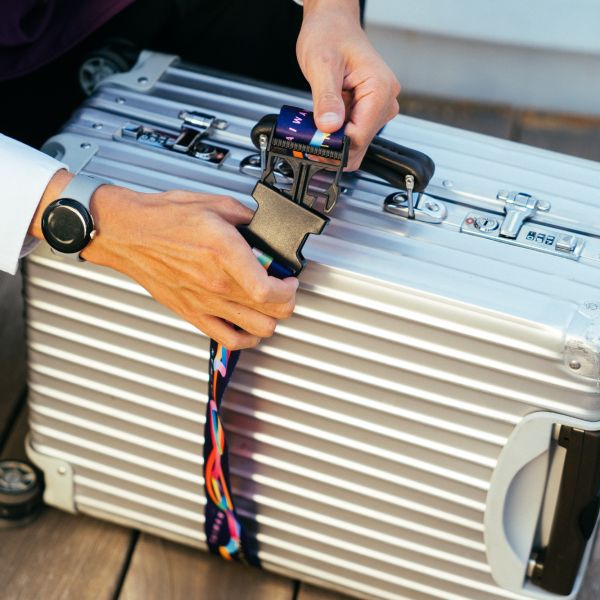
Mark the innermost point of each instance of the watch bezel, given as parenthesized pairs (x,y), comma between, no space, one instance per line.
(87,226)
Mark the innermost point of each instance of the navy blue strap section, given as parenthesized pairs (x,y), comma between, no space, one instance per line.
(225,531)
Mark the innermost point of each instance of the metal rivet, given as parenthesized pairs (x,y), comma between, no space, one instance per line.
(448,183)
(97,125)
(120,100)
(85,146)
(543,205)
(400,198)
(61,471)
(575,365)
(432,206)
(143,80)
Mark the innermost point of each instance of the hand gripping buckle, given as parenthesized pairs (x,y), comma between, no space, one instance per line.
(284,219)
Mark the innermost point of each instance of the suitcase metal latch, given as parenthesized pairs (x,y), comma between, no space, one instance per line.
(190,140)
(519,207)
(201,122)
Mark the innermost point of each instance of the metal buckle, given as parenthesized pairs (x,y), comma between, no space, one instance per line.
(201,122)
(519,207)
(285,217)
(194,128)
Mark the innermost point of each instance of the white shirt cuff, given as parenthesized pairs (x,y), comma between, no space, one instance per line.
(24,175)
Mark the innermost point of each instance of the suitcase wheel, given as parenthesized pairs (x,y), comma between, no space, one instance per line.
(21,491)
(116,56)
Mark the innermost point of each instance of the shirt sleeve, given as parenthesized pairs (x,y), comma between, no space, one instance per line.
(24,175)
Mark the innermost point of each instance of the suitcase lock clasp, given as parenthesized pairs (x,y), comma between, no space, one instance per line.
(201,122)
(189,140)
(519,207)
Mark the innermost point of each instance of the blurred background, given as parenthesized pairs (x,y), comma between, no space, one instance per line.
(536,54)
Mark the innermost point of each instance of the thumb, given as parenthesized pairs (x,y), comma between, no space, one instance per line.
(329,109)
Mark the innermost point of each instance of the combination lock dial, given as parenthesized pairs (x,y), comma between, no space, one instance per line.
(486,224)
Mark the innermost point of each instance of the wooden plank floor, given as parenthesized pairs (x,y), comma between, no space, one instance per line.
(76,558)
(12,350)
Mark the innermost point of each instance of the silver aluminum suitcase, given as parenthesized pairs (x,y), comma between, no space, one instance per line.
(404,434)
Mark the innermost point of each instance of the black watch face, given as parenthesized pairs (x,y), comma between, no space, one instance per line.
(67,225)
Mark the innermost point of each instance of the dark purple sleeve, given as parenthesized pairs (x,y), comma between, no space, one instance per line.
(24,21)
(33,32)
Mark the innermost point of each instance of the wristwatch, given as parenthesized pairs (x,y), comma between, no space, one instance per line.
(67,223)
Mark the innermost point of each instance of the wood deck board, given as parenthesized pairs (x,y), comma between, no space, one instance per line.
(59,556)
(579,136)
(164,570)
(12,349)
(311,592)
(496,120)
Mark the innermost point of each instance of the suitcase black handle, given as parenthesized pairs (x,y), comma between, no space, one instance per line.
(557,565)
(384,158)
(393,162)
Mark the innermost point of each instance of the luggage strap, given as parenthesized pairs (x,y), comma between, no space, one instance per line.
(280,226)
(225,534)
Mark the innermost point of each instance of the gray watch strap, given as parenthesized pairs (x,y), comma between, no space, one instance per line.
(80,188)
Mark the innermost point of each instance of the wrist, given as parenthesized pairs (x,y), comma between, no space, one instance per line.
(109,207)
(349,8)
(53,190)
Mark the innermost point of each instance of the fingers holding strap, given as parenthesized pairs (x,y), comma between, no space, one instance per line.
(384,158)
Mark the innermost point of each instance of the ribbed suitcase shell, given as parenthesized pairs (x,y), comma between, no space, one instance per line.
(365,433)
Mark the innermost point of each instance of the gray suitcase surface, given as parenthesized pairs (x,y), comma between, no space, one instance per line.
(396,438)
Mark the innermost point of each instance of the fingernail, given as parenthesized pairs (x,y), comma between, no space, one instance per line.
(329,117)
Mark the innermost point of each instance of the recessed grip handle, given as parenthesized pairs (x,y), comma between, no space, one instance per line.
(557,565)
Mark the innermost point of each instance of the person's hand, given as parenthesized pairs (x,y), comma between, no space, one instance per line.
(184,248)
(348,78)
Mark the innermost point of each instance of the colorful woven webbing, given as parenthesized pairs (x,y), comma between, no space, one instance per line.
(225,532)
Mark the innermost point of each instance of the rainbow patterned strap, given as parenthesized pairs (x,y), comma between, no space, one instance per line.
(297,131)
(226,534)
(225,531)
